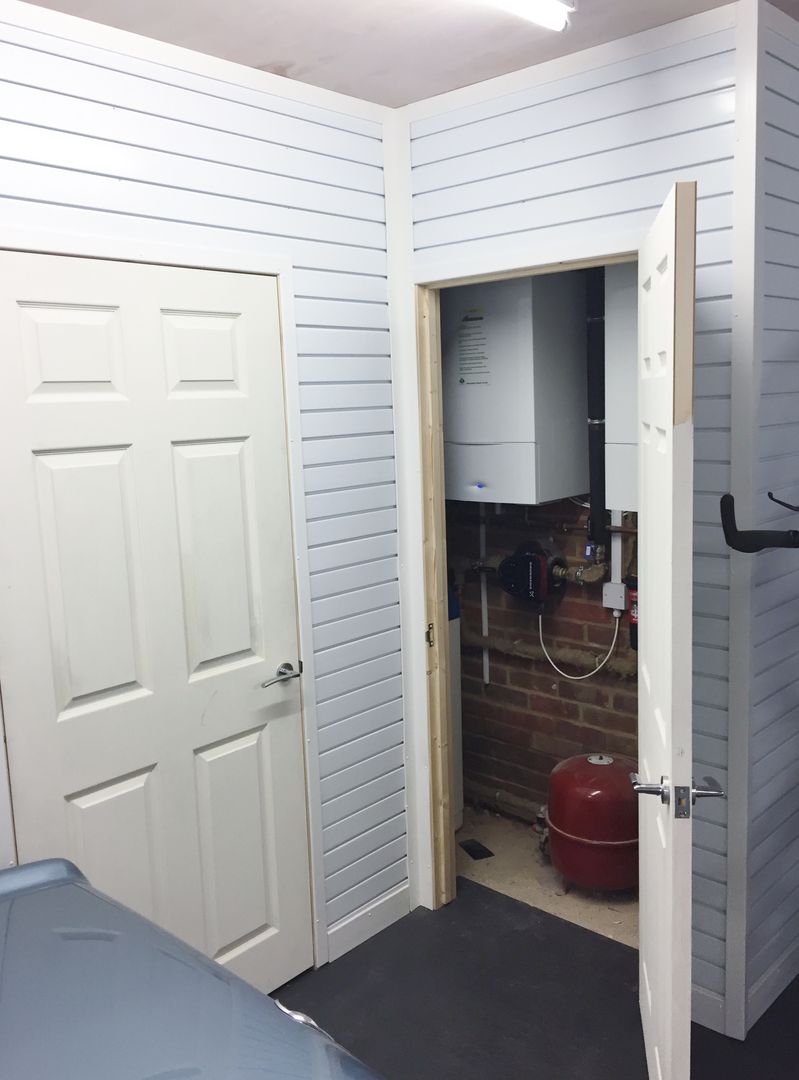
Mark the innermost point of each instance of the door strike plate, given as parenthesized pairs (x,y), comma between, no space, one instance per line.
(682,802)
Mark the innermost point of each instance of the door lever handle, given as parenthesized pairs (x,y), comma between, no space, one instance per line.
(713,790)
(662,790)
(283,674)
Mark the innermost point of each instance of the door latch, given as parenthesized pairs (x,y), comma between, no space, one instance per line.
(685,797)
(428,636)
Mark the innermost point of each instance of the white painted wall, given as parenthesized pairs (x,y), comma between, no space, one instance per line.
(108,137)
(571,160)
(772,953)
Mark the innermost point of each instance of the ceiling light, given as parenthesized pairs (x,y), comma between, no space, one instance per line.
(552,14)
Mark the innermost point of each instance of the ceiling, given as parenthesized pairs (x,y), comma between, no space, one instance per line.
(388,51)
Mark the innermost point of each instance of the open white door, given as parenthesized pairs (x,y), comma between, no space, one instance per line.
(666,272)
(147,579)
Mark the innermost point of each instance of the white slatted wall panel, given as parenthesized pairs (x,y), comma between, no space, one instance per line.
(100,144)
(773,931)
(590,156)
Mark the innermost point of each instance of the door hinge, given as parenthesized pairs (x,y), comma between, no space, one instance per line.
(429,636)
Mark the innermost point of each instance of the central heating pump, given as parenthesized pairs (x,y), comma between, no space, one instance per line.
(533,574)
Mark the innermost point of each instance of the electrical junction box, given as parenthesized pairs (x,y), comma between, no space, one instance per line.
(621,386)
(514,377)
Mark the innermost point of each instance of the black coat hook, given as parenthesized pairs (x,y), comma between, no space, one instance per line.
(753,540)
(779,502)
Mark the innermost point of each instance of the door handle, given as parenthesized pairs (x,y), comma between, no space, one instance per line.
(283,674)
(713,790)
(662,790)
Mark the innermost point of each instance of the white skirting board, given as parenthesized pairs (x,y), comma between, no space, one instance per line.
(707,1009)
(369,920)
(769,986)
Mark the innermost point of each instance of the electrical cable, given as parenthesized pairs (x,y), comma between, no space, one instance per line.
(578,678)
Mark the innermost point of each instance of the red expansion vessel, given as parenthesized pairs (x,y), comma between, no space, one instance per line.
(592,816)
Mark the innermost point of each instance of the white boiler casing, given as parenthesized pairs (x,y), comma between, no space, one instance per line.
(621,386)
(514,373)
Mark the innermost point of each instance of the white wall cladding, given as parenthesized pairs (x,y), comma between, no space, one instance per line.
(773,924)
(574,164)
(99,144)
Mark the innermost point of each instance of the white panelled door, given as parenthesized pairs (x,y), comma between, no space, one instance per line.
(147,572)
(666,273)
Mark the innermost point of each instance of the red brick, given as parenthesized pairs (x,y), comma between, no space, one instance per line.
(556,628)
(560,749)
(626,723)
(471,667)
(529,758)
(507,695)
(473,687)
(550,706)
(506,733)
(582,692)
(572,732)
(542,683)
(599,635)
(534,791)
(528,718)
(501,770)
(625,702)
(498,713)
(582,610)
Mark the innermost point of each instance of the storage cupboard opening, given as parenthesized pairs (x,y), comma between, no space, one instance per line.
(539,403)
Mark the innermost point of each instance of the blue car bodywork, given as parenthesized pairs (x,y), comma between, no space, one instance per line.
(91,991)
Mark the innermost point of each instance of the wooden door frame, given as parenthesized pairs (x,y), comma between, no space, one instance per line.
(118,249)
(431,422)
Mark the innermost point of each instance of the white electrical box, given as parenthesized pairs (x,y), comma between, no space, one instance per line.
(514,375)
(621,386)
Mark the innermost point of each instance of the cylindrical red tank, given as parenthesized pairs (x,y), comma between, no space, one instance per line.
(592,816)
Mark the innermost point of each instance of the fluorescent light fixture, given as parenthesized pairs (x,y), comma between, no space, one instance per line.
(552,14)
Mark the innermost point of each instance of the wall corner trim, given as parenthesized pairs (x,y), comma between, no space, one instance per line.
(405,383)
(747,320)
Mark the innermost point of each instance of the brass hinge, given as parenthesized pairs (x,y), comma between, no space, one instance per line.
(428,636)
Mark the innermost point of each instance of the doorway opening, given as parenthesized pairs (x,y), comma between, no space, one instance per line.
(535,582)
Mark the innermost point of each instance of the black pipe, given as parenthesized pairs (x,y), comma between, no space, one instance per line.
(595,350)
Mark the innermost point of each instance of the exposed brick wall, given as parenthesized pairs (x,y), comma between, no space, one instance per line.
(528,718)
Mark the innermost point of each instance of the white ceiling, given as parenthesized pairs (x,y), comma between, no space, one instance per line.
(389,51)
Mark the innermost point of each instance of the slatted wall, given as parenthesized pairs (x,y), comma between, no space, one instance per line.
(100,144)
(773,927)
(565,165)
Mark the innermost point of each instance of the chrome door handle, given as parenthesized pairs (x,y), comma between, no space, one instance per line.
(283,674)
(662,790)
(713,790)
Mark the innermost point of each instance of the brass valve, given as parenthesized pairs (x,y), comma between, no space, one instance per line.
(585,574)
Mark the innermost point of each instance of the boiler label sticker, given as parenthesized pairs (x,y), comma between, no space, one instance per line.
(473,362)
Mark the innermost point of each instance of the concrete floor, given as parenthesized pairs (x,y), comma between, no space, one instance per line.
(519,870)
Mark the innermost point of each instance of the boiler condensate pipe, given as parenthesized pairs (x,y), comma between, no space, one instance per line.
(595,314)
